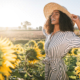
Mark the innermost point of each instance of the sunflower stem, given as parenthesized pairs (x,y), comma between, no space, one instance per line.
(7,78)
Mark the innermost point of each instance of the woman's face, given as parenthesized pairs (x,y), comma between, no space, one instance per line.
(55,17)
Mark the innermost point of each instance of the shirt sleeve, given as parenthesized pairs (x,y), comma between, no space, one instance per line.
(72,43)
(44,32)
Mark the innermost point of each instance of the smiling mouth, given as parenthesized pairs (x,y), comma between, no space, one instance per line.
(53,19)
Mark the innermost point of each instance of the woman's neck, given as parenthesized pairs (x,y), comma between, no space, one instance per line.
(56,28)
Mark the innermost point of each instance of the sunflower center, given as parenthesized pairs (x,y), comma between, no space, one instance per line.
(31,54)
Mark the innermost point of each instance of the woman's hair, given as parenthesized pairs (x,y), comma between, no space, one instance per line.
(65,23)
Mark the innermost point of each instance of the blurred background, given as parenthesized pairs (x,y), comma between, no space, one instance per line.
(22,20)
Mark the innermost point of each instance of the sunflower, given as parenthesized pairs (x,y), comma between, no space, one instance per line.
(43,53)
(40,44)
(17,62)
(18,48)
(7,58)
(26,45)
(77,71)
(32,43)
(33,54)
(74,51)
(7,42)
(20,52)
(72,60)
(1,76)
(77,68)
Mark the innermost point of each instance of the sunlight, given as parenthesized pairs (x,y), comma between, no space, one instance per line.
(11,16)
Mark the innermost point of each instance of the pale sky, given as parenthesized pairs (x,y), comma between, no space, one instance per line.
(13,12)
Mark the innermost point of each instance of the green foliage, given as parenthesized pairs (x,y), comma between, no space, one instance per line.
(75,51)
(26,70)
(35,70)
(70,60)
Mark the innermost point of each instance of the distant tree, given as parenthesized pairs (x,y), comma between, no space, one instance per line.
(36,28)
(40,27)
(29,28)
(19,27)
(25,24)
(21,24)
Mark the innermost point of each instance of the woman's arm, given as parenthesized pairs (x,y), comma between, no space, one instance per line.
(44,32)
(73,42)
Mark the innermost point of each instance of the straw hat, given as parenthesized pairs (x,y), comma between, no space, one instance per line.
(50,7)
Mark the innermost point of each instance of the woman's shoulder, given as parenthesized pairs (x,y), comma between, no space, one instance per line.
(71,35)
(67,34)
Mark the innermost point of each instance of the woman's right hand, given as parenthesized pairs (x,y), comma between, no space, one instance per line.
(76,19)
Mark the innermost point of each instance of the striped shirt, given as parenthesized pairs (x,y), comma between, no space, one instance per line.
(56,48)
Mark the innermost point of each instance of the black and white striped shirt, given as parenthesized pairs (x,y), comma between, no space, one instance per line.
(56,48)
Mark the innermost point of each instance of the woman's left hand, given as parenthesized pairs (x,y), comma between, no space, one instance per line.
(76,19)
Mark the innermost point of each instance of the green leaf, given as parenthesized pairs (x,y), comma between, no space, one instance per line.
(16,73)
(25,76)
(72,77)
(70,73)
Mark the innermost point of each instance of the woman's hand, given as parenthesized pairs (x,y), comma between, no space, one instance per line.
(76,19)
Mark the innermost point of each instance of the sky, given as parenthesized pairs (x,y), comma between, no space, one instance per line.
(13,12)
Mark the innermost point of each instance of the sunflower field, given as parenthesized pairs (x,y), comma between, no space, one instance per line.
(24,62)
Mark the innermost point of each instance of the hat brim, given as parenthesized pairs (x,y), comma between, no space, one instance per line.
(50,7)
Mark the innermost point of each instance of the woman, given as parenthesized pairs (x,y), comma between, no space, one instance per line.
(60,38)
